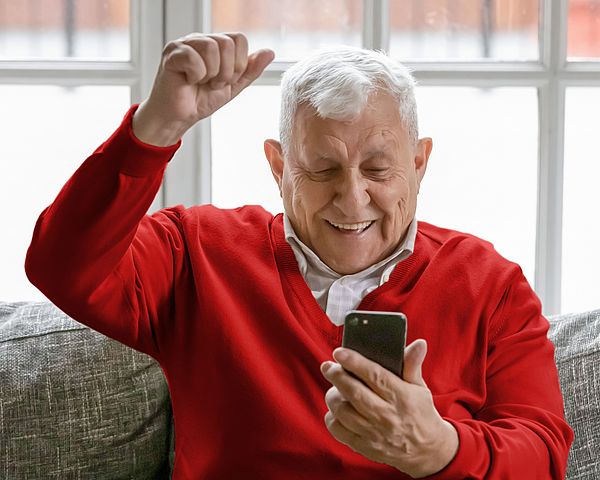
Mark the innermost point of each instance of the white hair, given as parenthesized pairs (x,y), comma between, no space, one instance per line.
(337,83)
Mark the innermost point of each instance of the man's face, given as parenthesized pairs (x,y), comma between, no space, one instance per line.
(350,188)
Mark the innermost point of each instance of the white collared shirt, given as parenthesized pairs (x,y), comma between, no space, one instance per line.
(335,293)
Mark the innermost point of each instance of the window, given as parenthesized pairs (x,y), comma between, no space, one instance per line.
(289,24)
(508,90)
(65,29)
(494,77)
(69,72)
(581,230)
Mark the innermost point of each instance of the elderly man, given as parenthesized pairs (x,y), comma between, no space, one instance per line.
(243,309)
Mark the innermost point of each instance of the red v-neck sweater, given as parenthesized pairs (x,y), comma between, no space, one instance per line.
(216,297)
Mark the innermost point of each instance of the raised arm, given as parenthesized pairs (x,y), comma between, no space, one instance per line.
(94,252)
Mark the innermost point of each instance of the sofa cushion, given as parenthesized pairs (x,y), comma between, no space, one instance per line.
(576,338)
(76,404)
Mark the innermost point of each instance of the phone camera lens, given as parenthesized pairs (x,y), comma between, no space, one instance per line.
(354,321)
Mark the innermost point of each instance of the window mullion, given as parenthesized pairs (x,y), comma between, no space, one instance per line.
(147,18)
(187,179)
(376,31)
(203,192)
(551,158)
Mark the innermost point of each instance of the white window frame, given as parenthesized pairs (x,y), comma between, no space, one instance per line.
(189,177)
(146,39)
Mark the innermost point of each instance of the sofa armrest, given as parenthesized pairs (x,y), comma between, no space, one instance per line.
(576,338)
(76,404)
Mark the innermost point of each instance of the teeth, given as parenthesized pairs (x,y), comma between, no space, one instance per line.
(352,226)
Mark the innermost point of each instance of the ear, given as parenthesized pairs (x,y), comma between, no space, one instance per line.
(274,154)
(422,153)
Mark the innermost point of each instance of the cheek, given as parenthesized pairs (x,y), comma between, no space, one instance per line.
(394,196)
(305,195)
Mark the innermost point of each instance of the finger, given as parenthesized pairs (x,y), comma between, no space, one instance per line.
(383,382)
(208,50)
(241,54)
(181,58)
(414,355)
(227,60)
(344,412)
(257,62)
(365,401)
(340,432)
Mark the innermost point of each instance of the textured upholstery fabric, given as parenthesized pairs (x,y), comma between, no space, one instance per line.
(76,404)
(577,341)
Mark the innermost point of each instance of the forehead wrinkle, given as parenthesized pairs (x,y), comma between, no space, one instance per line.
(381,141)
(328,144)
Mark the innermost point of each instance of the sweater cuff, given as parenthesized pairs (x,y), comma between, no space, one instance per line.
(463,464)
(136,158)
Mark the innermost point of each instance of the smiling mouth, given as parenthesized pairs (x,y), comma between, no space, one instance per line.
(351,228)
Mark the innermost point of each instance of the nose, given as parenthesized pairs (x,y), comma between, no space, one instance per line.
(351,193)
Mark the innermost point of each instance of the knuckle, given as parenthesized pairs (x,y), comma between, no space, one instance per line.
(342,409)
(210,45)
(339,375)
(331,396)
(177,56)
(236,36)
(338,406)
(170,47)
(355,395)
(192,35)
(379,378)
(203,44)
(224,41)
(239,39)
(330,421)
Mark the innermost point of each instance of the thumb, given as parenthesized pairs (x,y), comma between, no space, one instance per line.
(414,355)
(257,62)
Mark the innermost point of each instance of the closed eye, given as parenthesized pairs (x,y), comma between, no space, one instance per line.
(326,171)
(377,171)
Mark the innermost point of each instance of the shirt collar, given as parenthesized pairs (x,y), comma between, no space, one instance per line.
(305,255)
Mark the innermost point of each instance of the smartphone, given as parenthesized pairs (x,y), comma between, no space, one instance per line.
(379,336)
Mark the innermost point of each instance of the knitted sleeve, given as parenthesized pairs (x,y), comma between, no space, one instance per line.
(521,431)
(98,256)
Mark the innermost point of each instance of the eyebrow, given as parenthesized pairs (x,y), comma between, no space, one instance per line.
(375,153)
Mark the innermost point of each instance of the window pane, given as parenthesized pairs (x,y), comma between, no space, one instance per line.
(482,173)
(464,29)
(584,29)
(240,171)
(289,27)
(581,229)
(46,147)
(59,29)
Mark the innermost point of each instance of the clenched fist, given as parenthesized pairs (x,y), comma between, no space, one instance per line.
(198,74)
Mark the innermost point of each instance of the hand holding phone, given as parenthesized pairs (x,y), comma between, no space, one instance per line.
(378,336)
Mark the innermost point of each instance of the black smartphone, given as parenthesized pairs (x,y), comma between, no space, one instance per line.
(379,336)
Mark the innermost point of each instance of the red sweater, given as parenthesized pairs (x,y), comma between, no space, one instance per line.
(216,297)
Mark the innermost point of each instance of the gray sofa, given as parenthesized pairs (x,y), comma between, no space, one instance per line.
(76,404)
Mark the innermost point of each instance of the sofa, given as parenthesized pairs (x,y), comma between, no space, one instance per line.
(76,404)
